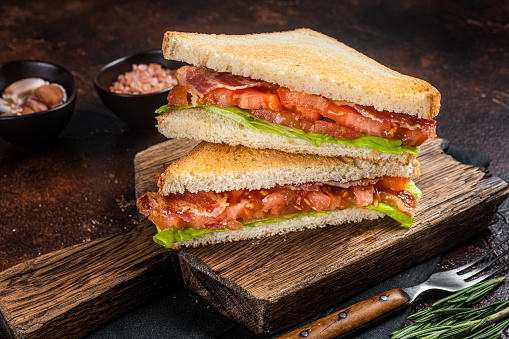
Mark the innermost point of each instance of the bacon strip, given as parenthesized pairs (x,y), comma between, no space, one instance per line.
(403,200)
(202,80)
(307,112)
(346,184)
(212,210)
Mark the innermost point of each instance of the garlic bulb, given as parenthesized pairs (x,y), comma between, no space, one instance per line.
(20,90)
(31,95)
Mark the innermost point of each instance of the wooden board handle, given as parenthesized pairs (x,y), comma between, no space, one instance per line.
(350,318)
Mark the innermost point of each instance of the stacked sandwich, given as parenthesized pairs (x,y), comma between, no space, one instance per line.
(299,131)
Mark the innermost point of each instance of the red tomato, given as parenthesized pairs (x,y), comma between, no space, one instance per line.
(249,98)
(394,183)
(319,201)
(339,131)
(363,195)
(178,96)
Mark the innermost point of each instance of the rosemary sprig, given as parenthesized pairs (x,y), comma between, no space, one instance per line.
(448,318)
(471,295)
(453,303)
(483,321)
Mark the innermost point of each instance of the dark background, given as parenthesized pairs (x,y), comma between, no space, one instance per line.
(81,187)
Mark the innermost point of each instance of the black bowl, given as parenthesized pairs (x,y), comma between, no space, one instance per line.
(41,127)
(135,109)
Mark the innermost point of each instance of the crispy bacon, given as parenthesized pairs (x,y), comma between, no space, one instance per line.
(346,184)
(199,81)
(308,186)
(307,112)
(403,200)
(195,209)
(228,209)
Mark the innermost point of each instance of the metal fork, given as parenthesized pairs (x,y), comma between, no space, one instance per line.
(354,316)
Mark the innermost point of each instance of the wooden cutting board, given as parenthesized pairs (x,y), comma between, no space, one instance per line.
(266,284)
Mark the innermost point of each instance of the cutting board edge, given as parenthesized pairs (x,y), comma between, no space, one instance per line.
(199,274)
(69,320)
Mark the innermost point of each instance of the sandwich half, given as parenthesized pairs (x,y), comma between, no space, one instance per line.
(218,193)
(298,91)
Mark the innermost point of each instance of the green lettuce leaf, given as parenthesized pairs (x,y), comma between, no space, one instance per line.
(285,217)
(248,120)
(392,211)
(166,238)
(415,191)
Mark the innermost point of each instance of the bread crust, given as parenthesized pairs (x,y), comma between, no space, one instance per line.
(222,167)
(308,61)
(201,124)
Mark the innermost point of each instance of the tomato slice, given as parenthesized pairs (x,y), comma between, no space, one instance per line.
(394,183)
(178,96)
(212,210)
(312,106)
(319,201)
(363,195)
(249,98)
(306,112)
(339,131)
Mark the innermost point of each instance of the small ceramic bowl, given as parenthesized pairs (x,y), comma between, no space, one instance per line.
(135,109)
(41,127)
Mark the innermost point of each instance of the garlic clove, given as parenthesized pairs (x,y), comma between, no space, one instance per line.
(36,105)
(9,108)
(52,95)
(18,91)
(26,110)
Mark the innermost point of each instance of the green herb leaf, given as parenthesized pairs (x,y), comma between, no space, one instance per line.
(415,191)
(166,238)
(392,211)
(286,217)
(447,319)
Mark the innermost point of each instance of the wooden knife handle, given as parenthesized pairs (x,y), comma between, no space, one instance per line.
(347,319)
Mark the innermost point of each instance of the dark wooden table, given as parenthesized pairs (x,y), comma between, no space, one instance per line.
(81,187)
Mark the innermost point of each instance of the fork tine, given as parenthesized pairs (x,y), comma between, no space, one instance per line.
(485,254)
(481,268)
(489,275)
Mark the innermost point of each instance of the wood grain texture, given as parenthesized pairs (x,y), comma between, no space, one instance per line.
(272,283)
(266,284)
(70,292)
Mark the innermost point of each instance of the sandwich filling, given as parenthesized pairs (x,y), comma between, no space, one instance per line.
(201,86)
(204,212)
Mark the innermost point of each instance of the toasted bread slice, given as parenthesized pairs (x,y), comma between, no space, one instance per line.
(308,61)
(221,167)
(201,124)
